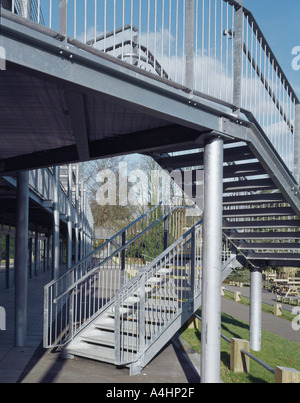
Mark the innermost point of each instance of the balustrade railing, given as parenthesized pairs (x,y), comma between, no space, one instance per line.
(89,285)
(214,47)
(158,295)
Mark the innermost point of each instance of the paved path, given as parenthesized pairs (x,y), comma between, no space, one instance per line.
(177,363)
(273,324)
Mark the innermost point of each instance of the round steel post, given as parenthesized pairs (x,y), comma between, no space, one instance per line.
(212,261)
(21,264)
(56,221)
(255,308)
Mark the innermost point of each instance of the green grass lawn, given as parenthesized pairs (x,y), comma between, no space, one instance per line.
(275,351)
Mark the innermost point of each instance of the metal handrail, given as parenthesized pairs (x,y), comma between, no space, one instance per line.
(86,291)
(156,301)
(258,361)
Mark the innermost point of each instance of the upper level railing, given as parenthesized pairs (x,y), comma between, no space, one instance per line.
(211,47)
(42,183)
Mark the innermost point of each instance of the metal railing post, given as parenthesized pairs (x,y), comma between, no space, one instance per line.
(142,329)
(69,218)
(190,30)
(25,8)
(238,58)
(77,215)
(117,331)
(123,259)
(166,229)
(297,143)
(63,19)
(193,266)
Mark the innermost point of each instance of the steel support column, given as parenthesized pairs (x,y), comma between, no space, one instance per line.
(69,218)
(21,264)
(7,260)
(297,143)
(255,308)
(212,261)
(55,236)
(77,214)
(36,254)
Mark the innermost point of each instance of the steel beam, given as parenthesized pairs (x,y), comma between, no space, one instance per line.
(212,261)
(21,264)
(75,102)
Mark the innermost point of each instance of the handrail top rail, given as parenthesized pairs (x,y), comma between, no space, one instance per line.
(161,256)
(91,272)
(102,246)
(141,272)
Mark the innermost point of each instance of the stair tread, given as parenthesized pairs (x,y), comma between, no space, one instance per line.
(259,212)
(239,186)
(269,245)
(263,235)
(147,289)
(123,311)
(249,199)
(94,352)
(130,300)
(154,280)
(129,341)
(262,224)
(163,270)
(273,256)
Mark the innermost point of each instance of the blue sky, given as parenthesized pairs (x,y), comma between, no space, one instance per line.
(280,22)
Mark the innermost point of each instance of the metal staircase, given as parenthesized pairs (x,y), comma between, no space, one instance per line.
(260,210)
(120,310)
(123,305)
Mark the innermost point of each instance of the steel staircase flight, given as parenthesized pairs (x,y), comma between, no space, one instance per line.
(122,311)
(117,307)
(260,214)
